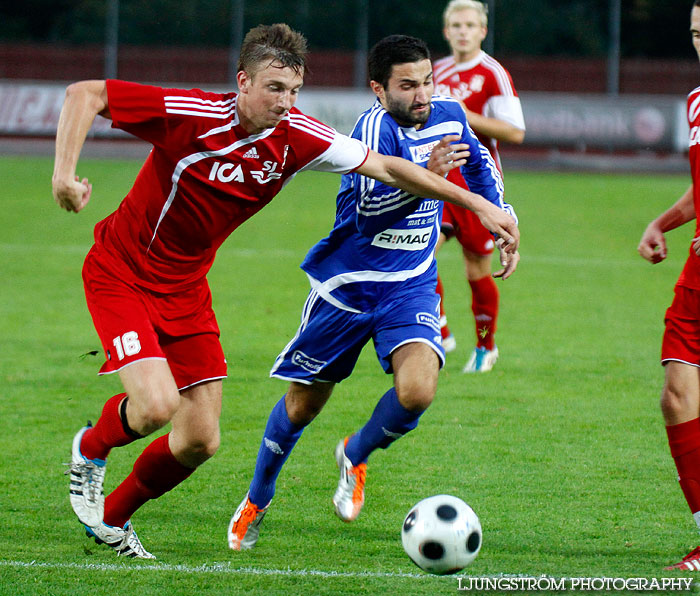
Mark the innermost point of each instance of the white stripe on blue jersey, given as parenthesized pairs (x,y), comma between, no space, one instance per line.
(370,135)
(439,130)
(383,240)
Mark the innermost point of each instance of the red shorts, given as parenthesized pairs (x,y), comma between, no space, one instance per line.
(681,340)
(136,324)
(467,228)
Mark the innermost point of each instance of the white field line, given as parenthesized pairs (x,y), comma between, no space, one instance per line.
(227,569)
(223,568)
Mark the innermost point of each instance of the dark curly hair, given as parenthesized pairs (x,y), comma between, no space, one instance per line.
(394,49)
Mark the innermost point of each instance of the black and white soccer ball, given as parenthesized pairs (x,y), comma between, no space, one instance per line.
(441,534)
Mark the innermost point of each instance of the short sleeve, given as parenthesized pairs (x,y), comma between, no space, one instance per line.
(137,109)
(155,113)
(506,108)
(344,155)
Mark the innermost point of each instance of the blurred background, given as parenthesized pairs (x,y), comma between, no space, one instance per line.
(599,79)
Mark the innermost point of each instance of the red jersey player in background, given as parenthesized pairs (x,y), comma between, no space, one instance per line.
(493,110)
(217,159)
(680,348)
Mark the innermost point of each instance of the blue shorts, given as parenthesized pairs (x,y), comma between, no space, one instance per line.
(329,339)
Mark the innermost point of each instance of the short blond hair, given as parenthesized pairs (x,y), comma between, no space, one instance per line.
(456,5)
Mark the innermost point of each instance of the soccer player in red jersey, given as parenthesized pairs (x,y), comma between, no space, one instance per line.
(217,159)
(680,348)
(493,110)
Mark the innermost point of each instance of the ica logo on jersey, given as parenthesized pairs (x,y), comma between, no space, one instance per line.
(229,172)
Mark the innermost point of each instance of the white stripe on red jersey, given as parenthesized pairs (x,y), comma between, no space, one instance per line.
(198,100)
(312,127)
(311,122)
(444,68)
(195,106)
(202,114)
(501,74)
(694,107)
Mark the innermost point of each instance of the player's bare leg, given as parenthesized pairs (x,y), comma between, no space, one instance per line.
(153,397)
(150,400)
(680,406)
(304,402)
(195,434)
(416,367)
(680,397)
(171,458)
(168,460)
(485,308)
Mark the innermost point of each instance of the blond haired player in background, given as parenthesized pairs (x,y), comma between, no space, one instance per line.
(493,111)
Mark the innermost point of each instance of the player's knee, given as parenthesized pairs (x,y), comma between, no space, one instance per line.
(202,448)
(676,405)
(670,403)
(415,395)
(302,413)
(152,410)
(304,402)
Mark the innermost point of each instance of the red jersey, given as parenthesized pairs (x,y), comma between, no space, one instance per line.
(204,177)
(690,276)
(485,87)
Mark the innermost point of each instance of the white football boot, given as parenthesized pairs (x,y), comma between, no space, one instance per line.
(86,484)
(449,344)
(350,494)
(244,528)
(481,360)
(123,540)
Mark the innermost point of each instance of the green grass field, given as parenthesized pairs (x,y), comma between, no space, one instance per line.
(560,450)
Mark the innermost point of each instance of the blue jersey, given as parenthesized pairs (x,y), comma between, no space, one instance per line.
(383,239)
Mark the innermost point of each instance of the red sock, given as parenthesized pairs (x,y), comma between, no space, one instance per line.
(485,309)
(684,440)
(107,433)
(444,329)
(155,472)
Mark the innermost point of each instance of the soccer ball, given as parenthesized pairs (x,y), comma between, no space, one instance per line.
(441,534)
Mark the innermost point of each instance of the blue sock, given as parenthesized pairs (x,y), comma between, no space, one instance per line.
(389,421)
(281,434)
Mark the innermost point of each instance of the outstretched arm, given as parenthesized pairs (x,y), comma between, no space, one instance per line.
(495,128)
(400,173)
(652,246)
(84,101)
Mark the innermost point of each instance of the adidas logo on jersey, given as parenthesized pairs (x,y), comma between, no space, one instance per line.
(252,153)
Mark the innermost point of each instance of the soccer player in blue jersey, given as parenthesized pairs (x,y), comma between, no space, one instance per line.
(374,277)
